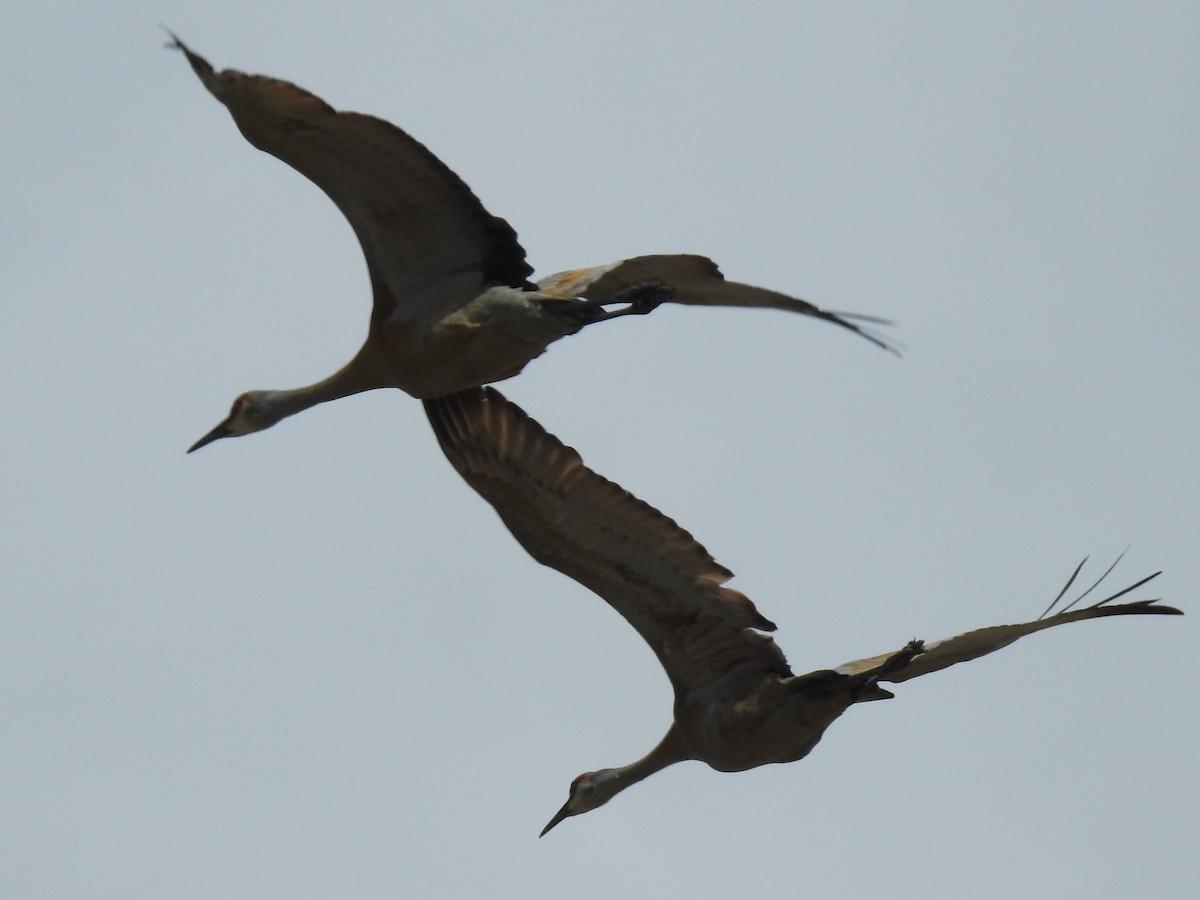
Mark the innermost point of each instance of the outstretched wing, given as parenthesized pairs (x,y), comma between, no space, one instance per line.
(638,560)
(430,245)
(982,641)
(695,280)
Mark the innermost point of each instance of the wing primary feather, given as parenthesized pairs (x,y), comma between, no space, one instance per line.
(1096,583)
(1066,587)
(1132,587)
(862,317)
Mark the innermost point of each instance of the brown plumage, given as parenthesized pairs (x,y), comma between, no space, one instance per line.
(737,703)
(453,303)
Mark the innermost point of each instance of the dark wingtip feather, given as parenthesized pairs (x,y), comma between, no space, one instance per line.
(1106,606)
(1151,607)
(1124,591)
(1066,587)
(1092,587)
(199,64)
(850,320)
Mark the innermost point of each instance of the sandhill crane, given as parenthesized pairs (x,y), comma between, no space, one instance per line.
(453,306)
(737,703)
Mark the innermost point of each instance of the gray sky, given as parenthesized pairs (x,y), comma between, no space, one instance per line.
(311,662)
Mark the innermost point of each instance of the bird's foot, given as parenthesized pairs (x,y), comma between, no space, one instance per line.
(641,298)
(583,312)
(635,300)
(867,683)
(898,660)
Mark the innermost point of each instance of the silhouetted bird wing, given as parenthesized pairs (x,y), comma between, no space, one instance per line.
(696,281)
(638,560)
(430,245)
(982,641)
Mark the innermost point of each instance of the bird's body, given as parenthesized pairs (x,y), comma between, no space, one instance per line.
(757,720)
(737,703)
(453,304)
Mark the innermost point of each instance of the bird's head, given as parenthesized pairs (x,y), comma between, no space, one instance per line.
(588,791)
(251,411)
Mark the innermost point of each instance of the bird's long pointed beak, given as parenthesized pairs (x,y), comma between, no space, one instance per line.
(221,431)
(563,813)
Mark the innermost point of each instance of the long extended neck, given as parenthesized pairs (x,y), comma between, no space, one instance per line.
(670,750)
(363,373)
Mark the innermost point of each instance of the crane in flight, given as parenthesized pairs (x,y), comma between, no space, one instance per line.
(737,703)
(453,306)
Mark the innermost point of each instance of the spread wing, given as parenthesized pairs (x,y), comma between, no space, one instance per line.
(430,245)
(982,641)
(638,560)
(696,281)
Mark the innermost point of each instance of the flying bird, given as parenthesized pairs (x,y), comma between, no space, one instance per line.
(737,703)
(453,304)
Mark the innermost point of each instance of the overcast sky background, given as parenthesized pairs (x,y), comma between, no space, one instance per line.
(312,663)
